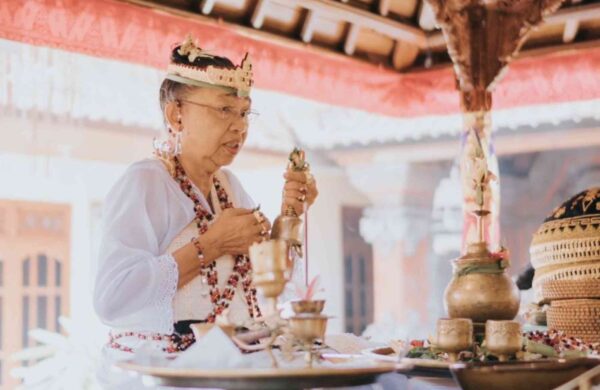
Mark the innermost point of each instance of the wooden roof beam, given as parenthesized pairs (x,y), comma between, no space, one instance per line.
(206,6)
(426,17)
(404,55)
(580,13)
(351,38)
(567,16)
(383,7)
(347,13)
(258,16)
(308,27)
(570,31)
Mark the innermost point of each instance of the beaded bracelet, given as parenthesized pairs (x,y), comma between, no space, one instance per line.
(199,249)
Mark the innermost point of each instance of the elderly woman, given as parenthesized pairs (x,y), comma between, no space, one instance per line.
(178,227)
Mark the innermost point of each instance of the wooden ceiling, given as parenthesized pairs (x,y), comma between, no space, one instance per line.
(399,34)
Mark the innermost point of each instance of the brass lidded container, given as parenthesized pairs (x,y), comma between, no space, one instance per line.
(481,289)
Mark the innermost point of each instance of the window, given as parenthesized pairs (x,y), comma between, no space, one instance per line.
(358,273)
(42,309)
(42,268)
(26,272)
(57,273)
(57,309)
(25,323)
(1,324)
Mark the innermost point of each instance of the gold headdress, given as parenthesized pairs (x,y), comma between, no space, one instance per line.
(237,80)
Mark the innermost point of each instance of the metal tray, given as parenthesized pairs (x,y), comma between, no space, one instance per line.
(538,374)
(272,378)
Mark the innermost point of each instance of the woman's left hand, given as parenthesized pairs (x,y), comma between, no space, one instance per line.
(300,191)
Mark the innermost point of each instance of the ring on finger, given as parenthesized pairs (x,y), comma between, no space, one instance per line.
(301,198)
(258,216)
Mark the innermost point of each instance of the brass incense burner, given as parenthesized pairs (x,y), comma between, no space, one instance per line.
(272,271)
(308,325)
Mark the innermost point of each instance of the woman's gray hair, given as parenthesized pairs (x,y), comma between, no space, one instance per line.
(171,91)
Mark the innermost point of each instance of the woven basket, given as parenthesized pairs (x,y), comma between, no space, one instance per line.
(576,317)
(573,272)
(571,289)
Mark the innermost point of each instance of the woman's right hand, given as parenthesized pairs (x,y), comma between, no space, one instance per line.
(235,229)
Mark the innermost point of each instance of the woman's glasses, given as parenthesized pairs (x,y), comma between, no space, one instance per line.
(228,113)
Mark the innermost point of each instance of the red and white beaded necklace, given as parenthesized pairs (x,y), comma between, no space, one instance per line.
(242,268)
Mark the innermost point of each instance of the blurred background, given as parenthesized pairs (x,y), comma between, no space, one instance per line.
(364,86)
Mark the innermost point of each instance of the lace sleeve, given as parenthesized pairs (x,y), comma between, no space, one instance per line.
(135,283)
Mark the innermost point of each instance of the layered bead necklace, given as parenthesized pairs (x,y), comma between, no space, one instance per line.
(242,268)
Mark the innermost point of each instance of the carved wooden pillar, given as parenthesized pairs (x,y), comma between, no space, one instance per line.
(483,36)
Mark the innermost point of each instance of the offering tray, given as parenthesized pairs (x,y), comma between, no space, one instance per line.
(264,378)
(520,375)
(430,368)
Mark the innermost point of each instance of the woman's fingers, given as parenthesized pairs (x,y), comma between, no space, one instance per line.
(295,185)
(295,203)
(300,196)
(300,176)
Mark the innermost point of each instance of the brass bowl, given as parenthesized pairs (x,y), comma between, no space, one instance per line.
(308,327)
(517,375)
(503,338)
(454,335)
(308,307)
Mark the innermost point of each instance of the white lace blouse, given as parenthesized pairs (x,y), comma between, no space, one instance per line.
(136,281)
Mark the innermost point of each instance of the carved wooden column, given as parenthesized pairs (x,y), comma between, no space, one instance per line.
(483,36)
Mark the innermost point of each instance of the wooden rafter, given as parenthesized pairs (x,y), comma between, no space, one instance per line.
(308,26)
(570,31)
(383,7)
(409,40)
(344,12)
(351,38)
(404,55)
(206,6)
(258,16)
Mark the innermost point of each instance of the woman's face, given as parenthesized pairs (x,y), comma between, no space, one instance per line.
(214,126)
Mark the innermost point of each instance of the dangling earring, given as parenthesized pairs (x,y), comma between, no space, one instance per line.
(177,146)
(178,132)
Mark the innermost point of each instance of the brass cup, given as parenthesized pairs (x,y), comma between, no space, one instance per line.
(308,307)
(503,338)
(454,335)
(307,328)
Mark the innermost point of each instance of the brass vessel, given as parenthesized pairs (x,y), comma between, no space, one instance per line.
(308,326)
(270,267)
(503,338)
(454,335)
(481,289)
(289,226)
